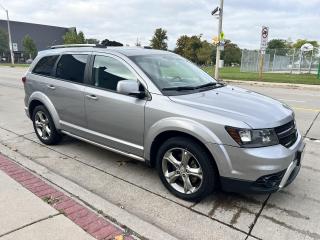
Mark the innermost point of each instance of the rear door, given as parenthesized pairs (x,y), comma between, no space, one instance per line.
(66,90)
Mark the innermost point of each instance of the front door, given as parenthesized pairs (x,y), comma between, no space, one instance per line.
(114,119)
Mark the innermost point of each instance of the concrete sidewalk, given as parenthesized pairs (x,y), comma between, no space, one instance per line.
(273,84)
(25,216)
(31,209)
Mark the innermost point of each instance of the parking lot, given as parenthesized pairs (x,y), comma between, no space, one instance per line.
(293,213)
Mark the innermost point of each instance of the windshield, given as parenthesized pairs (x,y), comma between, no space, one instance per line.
(173,73)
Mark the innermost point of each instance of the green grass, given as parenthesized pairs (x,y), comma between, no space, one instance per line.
(233,73)
(15,65)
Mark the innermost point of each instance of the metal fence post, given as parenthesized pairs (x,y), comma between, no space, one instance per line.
(274,57)
(241,64)
(310,65)
(292,64)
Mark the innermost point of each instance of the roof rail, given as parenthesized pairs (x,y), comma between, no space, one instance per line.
(72,45)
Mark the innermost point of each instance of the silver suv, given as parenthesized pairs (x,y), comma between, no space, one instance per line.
(158,107)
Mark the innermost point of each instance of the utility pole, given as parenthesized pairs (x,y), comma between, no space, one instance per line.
(216,74)
(9,33)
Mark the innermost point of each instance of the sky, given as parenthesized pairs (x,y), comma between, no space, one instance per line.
(127,20)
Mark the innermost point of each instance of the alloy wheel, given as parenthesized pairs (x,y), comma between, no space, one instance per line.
(41,122)
(182,170)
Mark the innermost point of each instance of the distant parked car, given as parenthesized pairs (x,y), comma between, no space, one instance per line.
(158,107)
(29,61)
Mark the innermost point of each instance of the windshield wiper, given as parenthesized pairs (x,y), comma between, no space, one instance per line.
(181,88)
(206,85)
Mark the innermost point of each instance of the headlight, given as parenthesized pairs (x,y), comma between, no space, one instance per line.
(253,137)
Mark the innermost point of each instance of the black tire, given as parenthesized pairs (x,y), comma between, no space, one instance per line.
(204,159)
(55,136)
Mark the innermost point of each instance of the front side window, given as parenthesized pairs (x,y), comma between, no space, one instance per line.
(107,72)
(45,65)
(71,67)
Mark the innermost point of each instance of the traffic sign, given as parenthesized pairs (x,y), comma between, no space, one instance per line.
(221,45)
(264,38)
(15,47)
(221,36)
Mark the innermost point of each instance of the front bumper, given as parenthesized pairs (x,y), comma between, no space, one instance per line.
(266,169)
(268,183)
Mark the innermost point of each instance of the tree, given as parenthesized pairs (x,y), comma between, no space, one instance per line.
(231,53)
(29,46)
(204,53)
(277,44)
(4,42)
(72,37)
(300,42)
(81,37)
(107,42)
(193,46)
(181,45)
(194,49)
(159,39)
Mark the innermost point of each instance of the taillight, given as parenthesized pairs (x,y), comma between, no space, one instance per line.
(24,79)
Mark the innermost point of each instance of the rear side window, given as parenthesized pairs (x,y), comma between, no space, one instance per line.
(71,67)
(45,65)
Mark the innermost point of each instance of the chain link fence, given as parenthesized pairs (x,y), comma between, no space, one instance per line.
(282,60)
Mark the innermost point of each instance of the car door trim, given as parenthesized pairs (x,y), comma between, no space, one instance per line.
(104,146)
(102,135)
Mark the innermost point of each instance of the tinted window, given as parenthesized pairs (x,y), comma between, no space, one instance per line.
(71,67)
(45,65)
(107,72)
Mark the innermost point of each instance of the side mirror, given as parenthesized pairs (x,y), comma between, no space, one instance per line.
(130,87)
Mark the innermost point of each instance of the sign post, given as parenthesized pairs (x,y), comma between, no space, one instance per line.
(220,8)
(263,47)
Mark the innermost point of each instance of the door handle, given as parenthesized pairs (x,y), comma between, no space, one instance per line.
(93,97)
(51,87)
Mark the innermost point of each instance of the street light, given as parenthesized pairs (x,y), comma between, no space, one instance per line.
(9,33)
(220,9)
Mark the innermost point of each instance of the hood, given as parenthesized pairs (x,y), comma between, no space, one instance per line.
(256,110)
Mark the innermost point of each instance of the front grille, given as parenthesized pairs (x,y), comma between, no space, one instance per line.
(287,134)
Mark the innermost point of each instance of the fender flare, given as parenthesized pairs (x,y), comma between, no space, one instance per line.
(41,97)
(188,126)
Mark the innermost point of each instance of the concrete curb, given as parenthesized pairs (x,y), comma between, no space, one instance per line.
(270,84)
(118,215)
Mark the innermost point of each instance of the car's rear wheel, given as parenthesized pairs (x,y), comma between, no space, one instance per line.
(186,168)
(44,126)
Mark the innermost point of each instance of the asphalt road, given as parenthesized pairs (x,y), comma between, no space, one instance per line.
(293,213)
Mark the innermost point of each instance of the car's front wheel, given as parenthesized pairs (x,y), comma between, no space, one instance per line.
(44,126)
(186,168)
